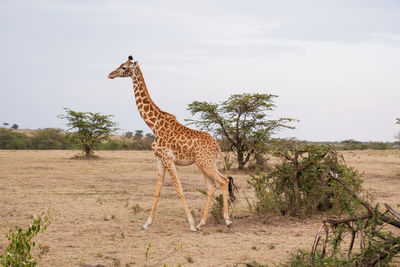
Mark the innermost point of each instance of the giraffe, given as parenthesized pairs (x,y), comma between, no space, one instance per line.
(177,145)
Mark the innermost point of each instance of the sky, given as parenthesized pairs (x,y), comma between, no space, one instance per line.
(334,64)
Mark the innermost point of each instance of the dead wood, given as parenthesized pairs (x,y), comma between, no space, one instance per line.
(392,211)
(390,247)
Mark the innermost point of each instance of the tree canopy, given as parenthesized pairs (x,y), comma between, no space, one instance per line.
(242,121)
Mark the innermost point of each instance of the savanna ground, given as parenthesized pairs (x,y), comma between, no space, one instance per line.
(98,207)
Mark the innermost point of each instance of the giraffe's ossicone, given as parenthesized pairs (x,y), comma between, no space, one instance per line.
(177,145)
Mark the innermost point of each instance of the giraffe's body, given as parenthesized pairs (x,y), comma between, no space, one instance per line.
(176,144)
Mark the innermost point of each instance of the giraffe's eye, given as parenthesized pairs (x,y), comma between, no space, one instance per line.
(124,68)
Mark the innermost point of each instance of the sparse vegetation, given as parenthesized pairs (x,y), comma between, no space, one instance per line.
(189,259)
(44,249)
(147,254)
(136,209)
(18,251)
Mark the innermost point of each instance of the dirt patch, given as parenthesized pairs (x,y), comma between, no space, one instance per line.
(99,206)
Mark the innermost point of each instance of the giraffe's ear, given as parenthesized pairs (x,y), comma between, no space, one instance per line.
(130,58)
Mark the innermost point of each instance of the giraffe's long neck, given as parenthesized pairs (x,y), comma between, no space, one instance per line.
(147,109)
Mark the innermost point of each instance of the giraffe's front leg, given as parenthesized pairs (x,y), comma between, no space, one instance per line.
(173,172)
(157,191)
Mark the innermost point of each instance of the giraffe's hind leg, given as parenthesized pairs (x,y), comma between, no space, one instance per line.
(209,168)
(210,183)
(157,191)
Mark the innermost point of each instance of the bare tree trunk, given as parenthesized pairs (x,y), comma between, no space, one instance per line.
(87,150)
(240,160)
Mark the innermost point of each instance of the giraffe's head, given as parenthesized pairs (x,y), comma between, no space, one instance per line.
(127,69)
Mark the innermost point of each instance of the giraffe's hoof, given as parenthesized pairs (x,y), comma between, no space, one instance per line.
(193,229)
(228,223)
(201,223)
(145,227)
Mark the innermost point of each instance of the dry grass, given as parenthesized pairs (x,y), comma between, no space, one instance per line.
(99,206)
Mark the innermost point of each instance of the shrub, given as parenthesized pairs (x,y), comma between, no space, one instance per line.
(110,145)
(18,251)
(13,140)
(300,184)
(51,138)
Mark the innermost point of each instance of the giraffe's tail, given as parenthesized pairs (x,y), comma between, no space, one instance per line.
(232,188)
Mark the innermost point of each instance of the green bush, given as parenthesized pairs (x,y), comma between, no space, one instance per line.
(128,142)
(51,138)
(110,145)
(300,184)
(18,251)
(13,140)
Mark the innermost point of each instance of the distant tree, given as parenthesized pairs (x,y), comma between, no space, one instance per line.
(242,121)
(149,135)
(15,126)
(91,128)
(398,120)
(128,135)
(138,134)
(5,124)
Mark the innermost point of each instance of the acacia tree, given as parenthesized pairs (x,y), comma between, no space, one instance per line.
(91,128)
(242,120)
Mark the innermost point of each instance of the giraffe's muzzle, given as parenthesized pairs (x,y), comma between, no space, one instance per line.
(112,75)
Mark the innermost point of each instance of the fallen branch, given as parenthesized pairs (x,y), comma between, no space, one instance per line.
(392,211)
(388,249)
(335,222)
